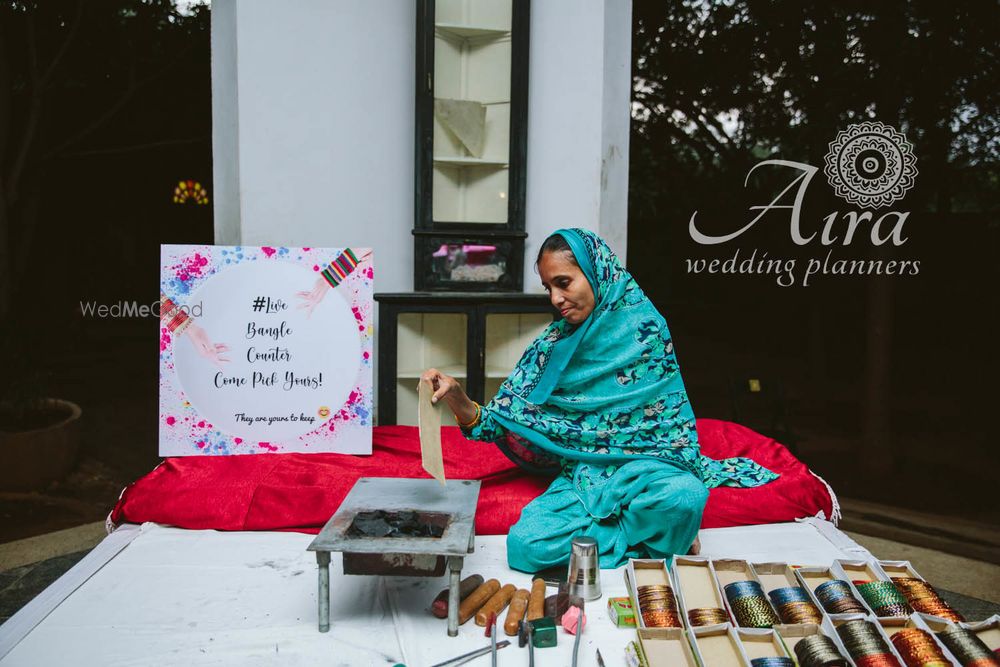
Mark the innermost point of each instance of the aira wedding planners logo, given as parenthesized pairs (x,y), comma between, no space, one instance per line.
(869,165)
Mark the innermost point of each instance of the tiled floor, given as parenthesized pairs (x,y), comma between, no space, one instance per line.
(20,585)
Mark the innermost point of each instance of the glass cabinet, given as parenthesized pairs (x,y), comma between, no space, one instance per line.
(471,133)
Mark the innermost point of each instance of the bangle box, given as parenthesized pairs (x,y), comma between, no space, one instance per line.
(666,647)
(864,571)
(812,578)
(648,572)
(892,626)
(718,646)
(696,587)
(792,634)
(759,643)
(728,571)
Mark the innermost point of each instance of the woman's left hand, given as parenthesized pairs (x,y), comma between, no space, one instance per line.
(451,391)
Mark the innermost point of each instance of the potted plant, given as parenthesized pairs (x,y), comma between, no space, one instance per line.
(39,435)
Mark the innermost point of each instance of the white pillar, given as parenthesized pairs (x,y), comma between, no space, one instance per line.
(320,94)
(313,115)
(578,121)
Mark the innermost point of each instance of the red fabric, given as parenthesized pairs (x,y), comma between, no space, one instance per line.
(302,491)
(797,493)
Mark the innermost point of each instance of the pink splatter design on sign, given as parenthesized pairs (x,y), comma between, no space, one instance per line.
(268,446)
(268,251)
(191,267)
(164,338)
(171,421)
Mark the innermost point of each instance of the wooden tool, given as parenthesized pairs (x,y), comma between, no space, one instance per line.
(536,601)
(440,605)
(495,604)
(518,605)
(476,600)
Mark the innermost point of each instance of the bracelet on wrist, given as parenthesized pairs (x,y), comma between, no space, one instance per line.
(178,322)
(475,420)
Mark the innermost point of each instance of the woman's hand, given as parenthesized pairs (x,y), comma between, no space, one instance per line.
(313,297)
(204,346)
(448,388)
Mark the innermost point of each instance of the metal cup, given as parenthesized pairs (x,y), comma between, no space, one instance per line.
(584,574)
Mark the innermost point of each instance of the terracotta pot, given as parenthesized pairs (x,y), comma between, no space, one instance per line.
(31,460)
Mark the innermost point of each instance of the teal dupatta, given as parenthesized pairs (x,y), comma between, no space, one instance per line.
(591,397)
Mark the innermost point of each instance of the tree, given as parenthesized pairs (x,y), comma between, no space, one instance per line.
(720,85)
(71,72)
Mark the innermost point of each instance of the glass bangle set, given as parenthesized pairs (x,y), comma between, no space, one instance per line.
(870,617)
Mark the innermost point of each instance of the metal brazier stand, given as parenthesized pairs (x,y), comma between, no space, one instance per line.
(450,510)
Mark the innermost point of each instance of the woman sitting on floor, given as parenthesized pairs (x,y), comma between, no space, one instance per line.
(598,398)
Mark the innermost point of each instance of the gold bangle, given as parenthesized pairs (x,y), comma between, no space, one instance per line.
(475,420)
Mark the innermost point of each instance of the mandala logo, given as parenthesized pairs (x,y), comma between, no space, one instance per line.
(871,165)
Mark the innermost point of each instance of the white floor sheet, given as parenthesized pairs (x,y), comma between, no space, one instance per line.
(190,597)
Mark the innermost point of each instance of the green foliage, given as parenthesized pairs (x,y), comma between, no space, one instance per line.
(720,85)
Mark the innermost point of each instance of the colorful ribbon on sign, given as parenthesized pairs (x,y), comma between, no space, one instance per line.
(341,267)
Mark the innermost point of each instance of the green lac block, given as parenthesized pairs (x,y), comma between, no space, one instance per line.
(543,632)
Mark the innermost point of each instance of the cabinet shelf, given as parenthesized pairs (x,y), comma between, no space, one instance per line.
(454,371)
(471,162)
(475,337)
(471,31)
(471,142)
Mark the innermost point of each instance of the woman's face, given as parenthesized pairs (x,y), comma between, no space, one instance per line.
(568,288)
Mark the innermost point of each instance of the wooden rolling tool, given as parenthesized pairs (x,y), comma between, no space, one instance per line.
(476,600)
(495,604)
(536,600)
(518,605)
(440,605)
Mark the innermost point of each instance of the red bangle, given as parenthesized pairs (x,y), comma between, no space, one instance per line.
(178,321)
